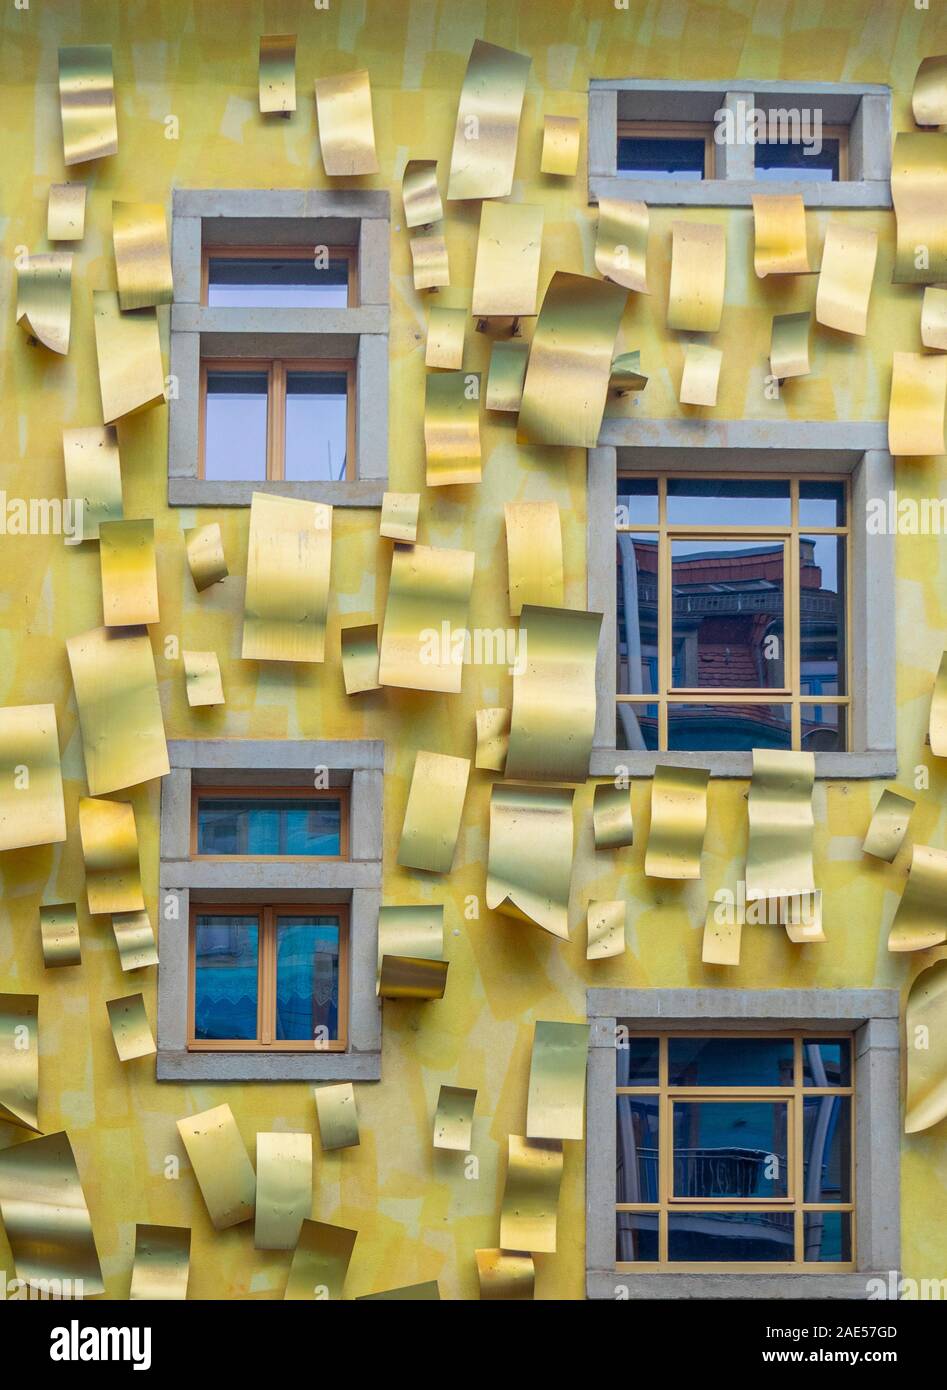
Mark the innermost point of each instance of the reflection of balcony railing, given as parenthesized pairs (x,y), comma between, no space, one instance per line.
(703,1173)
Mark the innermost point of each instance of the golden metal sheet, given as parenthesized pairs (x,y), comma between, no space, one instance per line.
(413,931)
(65,212)
(338,1116)
(570,360)
(779,852)
(288,568)
(277,73)
(453,1121)
(506,274)
(605,929)
(621,243)
(531,1195)
(44,298)
(113,672)
(626,374)
(612,823)
(223,1171)
(399,516)
(204,546)
(59,930)
(534,555)
(560,154)
(320,1262)
(202,679)
(925,1035)
(488,122)
(848,268)
(32,810)
(19,1060)
(937,720)
(698,276)
(452,428)
(283,1189)
(920,922)
(162,1264)
(135,939)
(87,103)
(507,374)
(131,1031)
(678,822)
(429,264)
(405,977)
(142,255)
(929,98)
(919,195)
(779,221)
(493,739)
(420,193)
(433,814)
(934,319)
(128,350)
(529,865)
(918,397)
(346,131)
(110,851)
(553,717)
(425,631)
(889,825)
(723,931)
(93,475)
(413,1293)
(359,643)
(46,1219)
(445,341)
(802,917)
(129,573)
(701,375)
(505,1274)
(556,1100)
(789,346)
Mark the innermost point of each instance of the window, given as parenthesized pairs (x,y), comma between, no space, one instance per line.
(276,823)
(280,277)
(666,150)
(821,161)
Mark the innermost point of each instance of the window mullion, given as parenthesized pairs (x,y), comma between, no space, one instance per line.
(268,991)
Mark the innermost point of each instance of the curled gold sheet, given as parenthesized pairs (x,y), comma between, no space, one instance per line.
(135,939)
(162,1264)
(142,255)
(555,1105)
(32,810)
(44,298)
(338,1116)
(110,850)
(346,131)
(223,1171)
(65,212)
(723,931)
(204,546)
(570,360)
(399,516)
(621,243)
(453,1121)
(612,824)
(420,193)
(409,1293)
(360,657)
(288,565)
(131,1031)
(429,264)
(277,73)
(320,1262)
(433,813)
(698,276)
(605,930)
(919,195)
(414,931)
(283,1189)
(505,1274)
(59,929)
(202,679)
(129,573)
(93,475)
(531,1195)
(920,922)
(779,222)
(452,428)
(937,721)
(560,154)
(445,339)
(87,103)
(553,717)
(779,852)
(701,375)
(128,349)
(113,672)
(488,122)
(916,411)
(506,375)
(889,825)
(925,1033)
(529,866)
(534,554)
(801,915)
(405,977)
(493,739)
(626,374)
(789,346)
(425,631)
(678,822)
(929,98)
(46,1219)
(848,268)
(506,274)
(19,1060)
(934,319)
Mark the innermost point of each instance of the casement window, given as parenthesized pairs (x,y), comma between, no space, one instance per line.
(269,822)
(665,150)
(279,277)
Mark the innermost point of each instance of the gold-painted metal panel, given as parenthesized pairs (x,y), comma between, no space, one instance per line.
(142,255)
(429,263)
(779,852)
(110,851)
(488,122)
(556,1099)
(428,602)
(288,568)
(131,1031)
(162,1264)
(65,212)
(937,720)
(277,73)
(202,679)
(493,738)
(723,930)
(221,1166)
(925,1032)
(204,547)
(678,822)
(337,1113)
(406,977)
(44,298)
(919,195)
(129,573)
(59,930)
(433,813)
(529,865)
(605,929)
(93,475)
(346,130)
(113,672)
(626,374)
(789,346)
(399,516)
(445,340)
(701,375)
(802,918)
(920,922)
(621,242)
(918,397)
(135,939)
(531,1195)
(453,1120)
(929,97)
(934,318)
(560,154)
(410,1293)
(359,642)
(889,825)
(452,428)
(32,809)
(283,1189)
(507,375)
(420,193)
(19,1060)
(553,717)
(412,931)
(698,276)
(46,1218)
(128,350)
(848,268)
(534,555)
(505,1274)
(612,823)
(87,103)
(320,1262)
(779,222)
(506,274)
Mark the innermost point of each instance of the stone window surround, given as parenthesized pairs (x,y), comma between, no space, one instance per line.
(356,880)
(280,217)
(864,108)
(785,446)
(872,1014)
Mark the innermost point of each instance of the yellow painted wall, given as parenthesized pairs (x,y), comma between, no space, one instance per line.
(417,1216)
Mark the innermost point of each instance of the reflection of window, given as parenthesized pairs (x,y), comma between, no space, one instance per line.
(820,158)
(731,612)
(665,150)
(275,823)
(285,277)
(734,1151)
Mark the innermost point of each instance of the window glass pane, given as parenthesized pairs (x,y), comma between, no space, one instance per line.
(824,728)
(657,157)
(728,502)
(828,1236)
(637,1062)
(637,502)
(276,282)
(235,426)
(707,728)
(730,1149)
(827,1063)
(822,614)
(637,1149)
(636,1235)
(799,161)
(225,977)
(749,1237)
(636,726)
(730,1061)
(827,1148)
(275,825)
(821,504)
(637,614)
(727,620)
(316,418)
(307,978)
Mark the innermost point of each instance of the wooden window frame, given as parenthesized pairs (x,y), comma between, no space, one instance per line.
(257,792)
(671,130)
(285,253)
(829,132)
